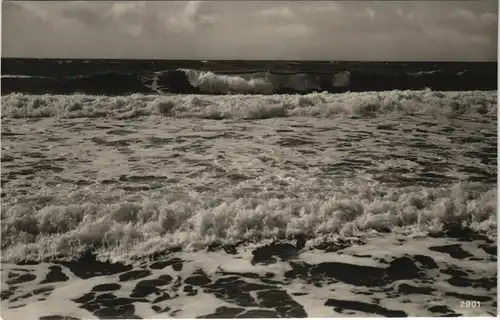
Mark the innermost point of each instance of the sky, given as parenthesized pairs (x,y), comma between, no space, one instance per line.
(254,30)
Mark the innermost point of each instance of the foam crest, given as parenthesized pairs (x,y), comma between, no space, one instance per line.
(123,226)
(210,82)
(320,105)
(258,82)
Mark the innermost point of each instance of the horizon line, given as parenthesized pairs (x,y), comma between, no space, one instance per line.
(250,60)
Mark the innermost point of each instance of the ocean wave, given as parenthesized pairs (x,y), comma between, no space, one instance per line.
(422,73)
(14,76)
(210,82)
(321,105)
(120,226)
(195,81)
(254,83)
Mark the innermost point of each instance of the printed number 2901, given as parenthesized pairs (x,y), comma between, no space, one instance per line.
(470,304)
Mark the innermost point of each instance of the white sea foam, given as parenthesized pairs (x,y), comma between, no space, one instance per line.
(377,250)
(120,226)
(320,105)
(257,83)
(211,82)
(81,177)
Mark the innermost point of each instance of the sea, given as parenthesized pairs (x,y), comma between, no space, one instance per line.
(141,189)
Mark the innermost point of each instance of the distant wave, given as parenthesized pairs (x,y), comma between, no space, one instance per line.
(19,76)
(321,105)
(261,82)
(421,73)
(193,81)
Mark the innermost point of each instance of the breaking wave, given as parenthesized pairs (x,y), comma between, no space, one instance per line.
(254,83)
(120,226)
(322,105)
(194,81)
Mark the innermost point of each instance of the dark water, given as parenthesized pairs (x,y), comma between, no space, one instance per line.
(121,77)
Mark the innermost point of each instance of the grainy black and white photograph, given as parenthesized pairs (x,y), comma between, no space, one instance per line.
(248,159)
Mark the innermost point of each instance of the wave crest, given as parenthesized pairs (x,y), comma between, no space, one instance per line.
(122,227)
(321,105)
(210,82)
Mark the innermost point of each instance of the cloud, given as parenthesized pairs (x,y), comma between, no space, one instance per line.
(134,30)
(326,7)
(292,31)
(277,12)
(192,18)
(124,9)
(489,18)
(466,22)
(356,30)
(370,13)
(461,15)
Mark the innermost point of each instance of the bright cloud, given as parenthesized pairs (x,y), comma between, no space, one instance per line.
(277,12)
